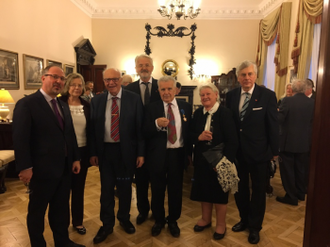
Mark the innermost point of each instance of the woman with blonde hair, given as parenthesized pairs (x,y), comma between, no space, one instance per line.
(287,93)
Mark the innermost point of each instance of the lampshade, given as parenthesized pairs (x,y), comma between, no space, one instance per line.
(5,98)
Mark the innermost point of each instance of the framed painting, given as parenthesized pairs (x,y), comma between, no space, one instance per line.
(68,69)
(9,70)
(32,67)
(52,62)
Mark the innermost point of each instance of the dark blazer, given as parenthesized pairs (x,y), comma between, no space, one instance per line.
(258,132)
(295,117)
(156,140)
(39,141)
(135,87)
(224,130)
(130,127)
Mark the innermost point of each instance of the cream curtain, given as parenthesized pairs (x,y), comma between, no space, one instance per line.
(276,24)
(309,14)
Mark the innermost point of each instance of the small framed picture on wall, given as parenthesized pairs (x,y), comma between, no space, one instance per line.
(9,70)
(32,67)
(68,69)
(52,62)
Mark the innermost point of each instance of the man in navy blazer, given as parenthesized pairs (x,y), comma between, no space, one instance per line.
(295,117)
(46,153)
(255,114)
(144,67)
(165,157)
(117,154)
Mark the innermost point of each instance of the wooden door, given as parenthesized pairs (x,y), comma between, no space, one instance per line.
(94,73)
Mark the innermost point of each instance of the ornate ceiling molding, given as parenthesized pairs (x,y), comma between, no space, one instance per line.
(99,12)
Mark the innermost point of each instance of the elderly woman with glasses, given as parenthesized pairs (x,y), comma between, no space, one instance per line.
(212,125)
(80,110)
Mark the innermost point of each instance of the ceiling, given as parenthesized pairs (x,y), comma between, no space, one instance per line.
(147,9)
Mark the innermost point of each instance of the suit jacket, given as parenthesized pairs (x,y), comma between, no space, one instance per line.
(135,87)
(258,132)
(130,128)
(156,140)
(295,118)
(39,141)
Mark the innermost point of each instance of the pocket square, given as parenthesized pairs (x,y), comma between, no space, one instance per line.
(257,109)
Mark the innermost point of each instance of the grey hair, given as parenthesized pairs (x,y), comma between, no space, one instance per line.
(113,69)
(298,85)
(309,84)
(45,71)
(166,79)
(246,64)
(143,56)
(210,86)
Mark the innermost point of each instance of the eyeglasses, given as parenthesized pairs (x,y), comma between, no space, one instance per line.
(76,85)
(144,65)
(111,79)
(56,77)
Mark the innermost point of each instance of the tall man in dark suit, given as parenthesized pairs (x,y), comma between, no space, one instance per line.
(255,115)
(295,117)
(117,147)
(147,88)
(46,153)
(168,144)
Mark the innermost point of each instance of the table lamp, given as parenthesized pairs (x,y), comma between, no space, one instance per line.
(5,98)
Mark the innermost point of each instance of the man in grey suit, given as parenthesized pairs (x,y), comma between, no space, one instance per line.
(117,147)
(295,117)
(46,153)
(255,114)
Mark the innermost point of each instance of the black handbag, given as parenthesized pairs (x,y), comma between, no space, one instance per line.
(214,155)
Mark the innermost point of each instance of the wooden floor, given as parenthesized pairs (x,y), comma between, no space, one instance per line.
(283,224)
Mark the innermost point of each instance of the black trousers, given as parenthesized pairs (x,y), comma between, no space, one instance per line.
(170,175)
(293,173)
(113,174)
(142,180)
(54,193)
(78,189)
(252,206)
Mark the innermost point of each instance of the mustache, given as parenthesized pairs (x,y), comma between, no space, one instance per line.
(144,71)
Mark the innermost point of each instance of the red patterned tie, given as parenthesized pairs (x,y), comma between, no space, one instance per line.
(171,125)
(114,120)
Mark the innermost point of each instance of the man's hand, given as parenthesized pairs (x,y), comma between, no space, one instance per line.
(205,136)
(25,175)
(76,167)
(162,122)
(139,161)
(94,160)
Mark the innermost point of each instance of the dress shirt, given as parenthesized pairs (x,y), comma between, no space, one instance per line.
(107,124)
(143,88)
(209,117)
(243,96)
(48,99)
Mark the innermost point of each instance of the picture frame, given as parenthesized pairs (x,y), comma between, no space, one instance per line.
(52,62)
(32,68)
(9,78)
(68,69)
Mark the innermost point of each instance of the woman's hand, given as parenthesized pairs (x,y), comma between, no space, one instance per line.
(205,136)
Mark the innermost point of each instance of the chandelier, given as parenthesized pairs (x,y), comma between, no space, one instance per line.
(179,8)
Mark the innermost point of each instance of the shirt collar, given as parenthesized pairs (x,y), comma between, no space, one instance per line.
(150,80)
(174,103)
(250,91)
(47,97)
(119,94)
(213,109)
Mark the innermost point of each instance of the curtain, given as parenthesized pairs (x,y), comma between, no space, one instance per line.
(309,14)
(270,70)
(315,53)
(275,25)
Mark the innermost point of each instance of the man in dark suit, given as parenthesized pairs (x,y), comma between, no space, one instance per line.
(117,147)
(295,117)
(147,88)
(168,144)
(46,153)
(309,92)
(255,115)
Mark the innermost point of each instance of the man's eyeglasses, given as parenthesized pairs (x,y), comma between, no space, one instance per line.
(56,77)
(111,79)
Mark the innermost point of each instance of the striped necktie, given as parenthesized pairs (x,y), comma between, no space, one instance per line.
(245,105)
(171,125)
(114,120)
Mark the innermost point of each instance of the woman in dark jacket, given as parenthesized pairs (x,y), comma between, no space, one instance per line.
(80,111)
(212,124)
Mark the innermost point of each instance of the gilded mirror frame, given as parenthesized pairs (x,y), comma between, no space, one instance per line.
(167,68)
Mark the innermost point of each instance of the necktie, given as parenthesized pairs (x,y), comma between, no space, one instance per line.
(244,107)
(146,93)
(171,125)
(57,114)
(114,120)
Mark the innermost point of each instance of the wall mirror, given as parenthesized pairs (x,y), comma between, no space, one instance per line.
(170,68)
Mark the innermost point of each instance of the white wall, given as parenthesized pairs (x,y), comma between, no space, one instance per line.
(43,28)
